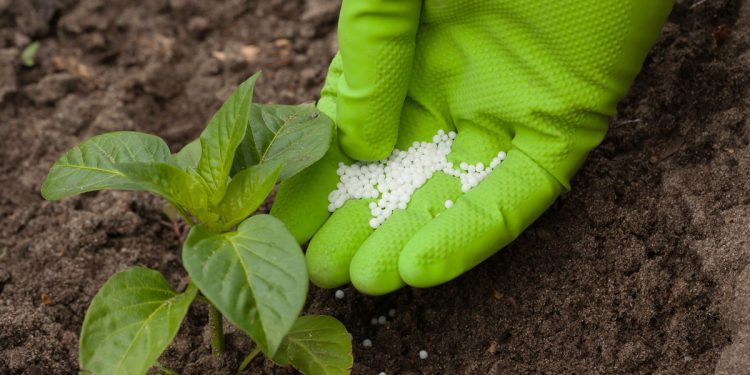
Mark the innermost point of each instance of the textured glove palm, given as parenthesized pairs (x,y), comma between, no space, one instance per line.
(535,78)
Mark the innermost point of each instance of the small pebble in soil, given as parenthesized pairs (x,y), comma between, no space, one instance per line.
(392,313)
(382,373)
(367,343)
(493,347)
(382,320)
(422,354)
(497,294)
(448,203)
(339,294)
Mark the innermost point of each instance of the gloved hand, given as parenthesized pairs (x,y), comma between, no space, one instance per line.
(535,78)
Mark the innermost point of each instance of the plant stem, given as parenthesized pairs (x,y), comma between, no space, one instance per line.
(249,359)
(216,322)
(185,215)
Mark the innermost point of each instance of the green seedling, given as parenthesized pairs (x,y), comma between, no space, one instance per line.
(28,54)
(248,269)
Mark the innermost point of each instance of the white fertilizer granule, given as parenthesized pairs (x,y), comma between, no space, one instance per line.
(392,182)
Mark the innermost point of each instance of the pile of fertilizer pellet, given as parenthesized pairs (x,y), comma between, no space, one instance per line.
(392,182)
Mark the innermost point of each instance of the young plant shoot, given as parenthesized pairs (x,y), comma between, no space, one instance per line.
(248,269)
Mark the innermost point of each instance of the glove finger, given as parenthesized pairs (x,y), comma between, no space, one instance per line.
(377,41)
(331,250)
(302,200)
(374,268)
(481,222)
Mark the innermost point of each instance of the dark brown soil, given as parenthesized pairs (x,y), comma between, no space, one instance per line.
(643,268)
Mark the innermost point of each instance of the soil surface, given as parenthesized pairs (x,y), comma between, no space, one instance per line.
(642,268)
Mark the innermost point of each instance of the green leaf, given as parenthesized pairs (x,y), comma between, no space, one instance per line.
(28,53)
(189,156)
(91,165)
(317,345)
(246,192)
(166,180)
(297,135)
(131,320)
(255,276)
(221,137)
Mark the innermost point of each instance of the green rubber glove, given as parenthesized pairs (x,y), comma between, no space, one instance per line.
(535,78)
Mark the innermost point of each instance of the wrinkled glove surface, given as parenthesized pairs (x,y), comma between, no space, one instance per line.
(535,78)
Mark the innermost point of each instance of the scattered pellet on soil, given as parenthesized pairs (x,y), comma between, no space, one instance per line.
(422,354)
(382,320)
(367,343)
(339,294)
